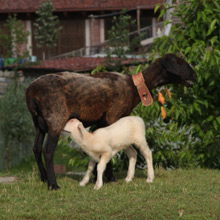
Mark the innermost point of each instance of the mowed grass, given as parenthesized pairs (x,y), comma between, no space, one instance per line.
(176,194)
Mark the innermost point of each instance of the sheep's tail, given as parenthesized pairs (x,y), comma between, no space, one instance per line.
(35,109)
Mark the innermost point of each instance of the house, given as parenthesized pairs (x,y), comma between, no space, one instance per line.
(85,22)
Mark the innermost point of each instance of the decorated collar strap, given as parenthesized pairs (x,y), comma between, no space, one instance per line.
(143,91)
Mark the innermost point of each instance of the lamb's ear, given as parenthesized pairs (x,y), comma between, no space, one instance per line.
(81,129)
(172,65)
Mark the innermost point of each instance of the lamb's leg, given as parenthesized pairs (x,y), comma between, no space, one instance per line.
(48,156)
(86,178)
(108,172)
(100,169)
(37,149)
(148,157)
(132,155)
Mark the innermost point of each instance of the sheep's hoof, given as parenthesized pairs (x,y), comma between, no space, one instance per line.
(53,187)
(44,179)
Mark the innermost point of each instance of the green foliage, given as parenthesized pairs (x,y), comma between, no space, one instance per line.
(15,121)
(189,135)
(15,37)
(68,153)
(197,40)
(120,43)
(172,145)
(47,26)
(99,69)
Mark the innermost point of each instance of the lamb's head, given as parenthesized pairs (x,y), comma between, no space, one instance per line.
(76,128)
(177,70)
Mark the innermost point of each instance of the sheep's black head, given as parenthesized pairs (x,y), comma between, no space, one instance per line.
(178,70)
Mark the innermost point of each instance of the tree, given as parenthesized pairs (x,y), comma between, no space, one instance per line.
(47,27)
(14,38)
(120,42)
(196,39)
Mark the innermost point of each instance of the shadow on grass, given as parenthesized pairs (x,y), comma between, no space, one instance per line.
(120,175)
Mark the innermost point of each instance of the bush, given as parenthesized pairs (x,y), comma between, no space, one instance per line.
(189,135)
(16,124)
(69,154)
(197,40)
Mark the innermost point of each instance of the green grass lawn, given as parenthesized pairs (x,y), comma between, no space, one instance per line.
(176,194)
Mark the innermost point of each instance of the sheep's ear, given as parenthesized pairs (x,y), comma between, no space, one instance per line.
(81,129)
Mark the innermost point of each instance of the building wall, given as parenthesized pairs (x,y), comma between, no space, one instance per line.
(71,38)
(79,30)
(94,31)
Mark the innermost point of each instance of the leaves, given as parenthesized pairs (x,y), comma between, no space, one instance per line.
(47,26)
(15,37)
(120,43)
(197,40)
(212,27)
(157,7)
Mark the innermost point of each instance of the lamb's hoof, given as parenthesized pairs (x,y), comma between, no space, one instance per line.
(97,187)
(128,180)
(82,183)
(150,180)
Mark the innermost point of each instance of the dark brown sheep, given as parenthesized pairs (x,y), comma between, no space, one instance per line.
(99,99)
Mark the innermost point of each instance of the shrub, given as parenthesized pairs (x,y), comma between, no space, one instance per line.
(16,124)
(197,40)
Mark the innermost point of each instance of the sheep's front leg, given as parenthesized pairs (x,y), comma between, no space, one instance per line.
(132,155)
(86,178)
(100,169)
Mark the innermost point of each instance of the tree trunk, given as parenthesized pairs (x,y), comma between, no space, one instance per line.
(7,160)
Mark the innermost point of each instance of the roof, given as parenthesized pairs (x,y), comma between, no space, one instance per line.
(80,64)
(17,6)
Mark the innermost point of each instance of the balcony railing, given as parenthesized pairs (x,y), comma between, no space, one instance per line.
(149,33)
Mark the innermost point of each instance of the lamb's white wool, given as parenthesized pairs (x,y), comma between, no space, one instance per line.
(104,143)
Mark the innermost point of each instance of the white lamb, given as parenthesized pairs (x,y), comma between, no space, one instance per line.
(104,143)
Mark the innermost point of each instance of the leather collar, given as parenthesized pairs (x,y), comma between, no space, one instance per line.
(143,91)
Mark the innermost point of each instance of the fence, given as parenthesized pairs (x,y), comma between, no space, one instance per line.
(148,33)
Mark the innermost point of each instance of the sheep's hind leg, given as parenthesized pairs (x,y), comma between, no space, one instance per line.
(37,149)
(48,156)
(132,155)
(86,178)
